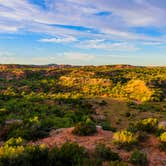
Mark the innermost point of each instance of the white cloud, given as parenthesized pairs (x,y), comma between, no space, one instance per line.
(105,45)
(59,40)
(5,28)
(153,43)
(21,15)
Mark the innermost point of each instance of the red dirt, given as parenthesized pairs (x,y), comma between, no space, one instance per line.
(150,146)
(88,142)
(155,156)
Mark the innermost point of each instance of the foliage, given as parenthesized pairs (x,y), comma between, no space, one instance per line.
(124,137)
(162,146)
(149,124)
(107,126)
(137,90)
(105,153)
(85,128)
(72,154)
(163,137)
(68,154)
(117,163)
(14,142)
(138,158)
(11,151)
(45,98)
(36,99)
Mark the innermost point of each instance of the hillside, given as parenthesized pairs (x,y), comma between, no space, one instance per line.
(122,107)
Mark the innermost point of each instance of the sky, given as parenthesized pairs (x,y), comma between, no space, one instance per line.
(83,32)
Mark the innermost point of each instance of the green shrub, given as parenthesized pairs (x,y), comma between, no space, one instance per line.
(40,155)
(125,139)
(162,146)
(138,158)
(85,128)
(107,126)
(159,131)
(91,161)
(37,155)
(105,153)
(162,138)
(148,125)
(132,128)
(14,142)
(71,154)
(117,163)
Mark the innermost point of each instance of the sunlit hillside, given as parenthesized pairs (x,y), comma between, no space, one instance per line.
(69,115)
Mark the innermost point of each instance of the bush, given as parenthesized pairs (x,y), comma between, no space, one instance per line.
(10,151)
(15,152)
(159,131)
(40,155)
(124,137)
(138,90)
(138,158)
(71,154)
(15,142)
(37,155)
(107,126)
(117,163)
(162,138)
(85,128)
(91,162)
(148,125)
(132,128)
(162,146)
(105,153)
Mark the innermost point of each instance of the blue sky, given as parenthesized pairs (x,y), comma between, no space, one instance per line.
(83,32)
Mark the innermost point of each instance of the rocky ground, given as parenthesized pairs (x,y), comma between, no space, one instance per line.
(150,146)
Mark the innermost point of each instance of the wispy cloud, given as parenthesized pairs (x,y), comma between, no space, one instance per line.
(96,25)
(106,45)
(59,40)
(6,28)
(31,17)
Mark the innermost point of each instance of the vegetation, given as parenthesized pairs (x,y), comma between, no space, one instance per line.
(85,128)
(139,158)
(124,137)
(162,138)
(117,163)
(127,101)
(68,154)
(105,153)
